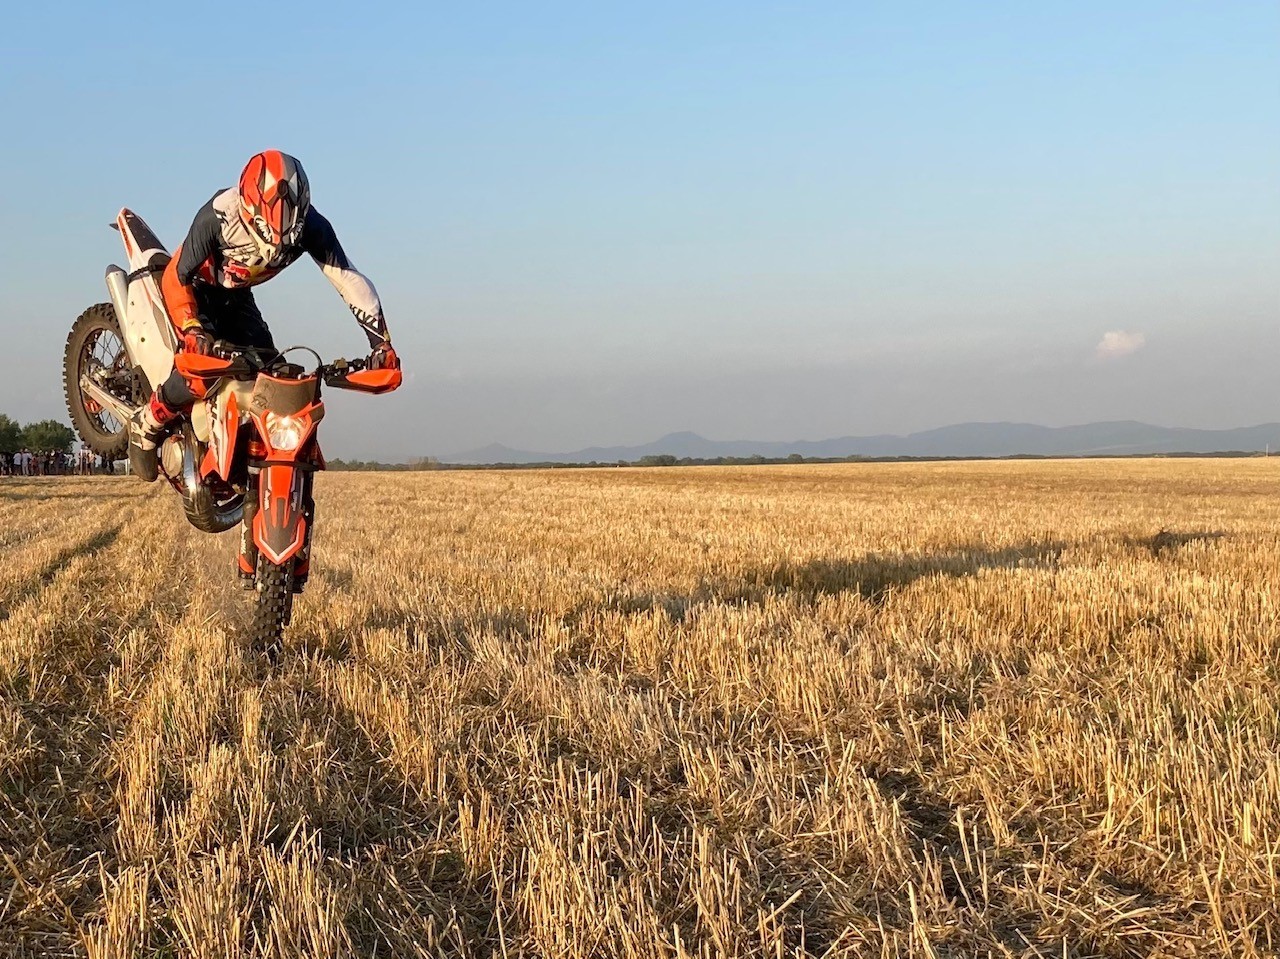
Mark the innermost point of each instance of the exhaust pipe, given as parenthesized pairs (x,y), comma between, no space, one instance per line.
(118,290)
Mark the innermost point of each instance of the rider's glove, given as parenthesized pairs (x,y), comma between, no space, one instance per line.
(197,340)
(383,357)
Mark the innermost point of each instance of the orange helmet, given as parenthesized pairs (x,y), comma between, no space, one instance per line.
(274,198)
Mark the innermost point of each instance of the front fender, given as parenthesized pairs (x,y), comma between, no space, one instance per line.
(280,526)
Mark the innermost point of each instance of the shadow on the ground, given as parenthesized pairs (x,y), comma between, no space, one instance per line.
(1168,540)
(422,629)
(402,884)
(872,576)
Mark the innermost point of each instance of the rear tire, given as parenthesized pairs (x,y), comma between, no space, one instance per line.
(274,607)
(95,346)
(208,510)
(208,515)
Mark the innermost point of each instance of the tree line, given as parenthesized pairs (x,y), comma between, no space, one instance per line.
(43,436)
(431,463)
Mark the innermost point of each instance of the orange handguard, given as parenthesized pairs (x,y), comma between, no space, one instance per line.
(197,366)
(371,381)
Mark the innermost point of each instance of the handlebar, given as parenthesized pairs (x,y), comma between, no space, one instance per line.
(230,361)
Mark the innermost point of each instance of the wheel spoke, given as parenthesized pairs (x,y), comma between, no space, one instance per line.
(108,422)
(103,360)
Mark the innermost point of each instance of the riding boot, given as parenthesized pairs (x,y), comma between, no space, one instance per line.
(147,428)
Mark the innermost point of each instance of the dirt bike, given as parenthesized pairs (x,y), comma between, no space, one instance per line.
(247,455)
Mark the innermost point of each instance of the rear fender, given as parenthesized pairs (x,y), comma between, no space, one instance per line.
(149,336)
(280,526)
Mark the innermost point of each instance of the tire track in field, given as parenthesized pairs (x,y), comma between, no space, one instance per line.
(94,544)
(57,808)
(40,542)
(183,713)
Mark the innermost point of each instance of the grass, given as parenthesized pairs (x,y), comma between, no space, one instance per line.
(1005,709)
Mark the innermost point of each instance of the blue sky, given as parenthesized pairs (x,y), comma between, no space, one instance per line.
(597,223)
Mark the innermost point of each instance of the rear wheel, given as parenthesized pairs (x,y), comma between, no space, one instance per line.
(211,506)
(95,349)
(213,511)
(274,607)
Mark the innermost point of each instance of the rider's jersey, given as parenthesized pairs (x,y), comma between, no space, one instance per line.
(220,251)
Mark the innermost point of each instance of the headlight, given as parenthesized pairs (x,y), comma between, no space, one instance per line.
(284,432)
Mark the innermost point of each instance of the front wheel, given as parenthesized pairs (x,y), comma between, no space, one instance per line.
(95,349)
(274,607)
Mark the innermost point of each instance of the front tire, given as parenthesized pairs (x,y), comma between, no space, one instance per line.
(274,607)
(95,348)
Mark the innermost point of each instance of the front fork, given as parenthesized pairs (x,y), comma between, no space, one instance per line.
(247,561)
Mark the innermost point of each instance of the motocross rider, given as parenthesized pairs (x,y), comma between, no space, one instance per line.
(244,236)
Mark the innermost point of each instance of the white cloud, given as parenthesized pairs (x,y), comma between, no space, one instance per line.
(1117,343)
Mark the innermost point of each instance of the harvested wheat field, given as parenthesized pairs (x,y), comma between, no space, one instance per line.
(1006,709)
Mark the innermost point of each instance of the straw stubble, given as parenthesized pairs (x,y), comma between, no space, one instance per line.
(1006,709)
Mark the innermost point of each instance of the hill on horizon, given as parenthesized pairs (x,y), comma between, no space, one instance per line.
(1119,438)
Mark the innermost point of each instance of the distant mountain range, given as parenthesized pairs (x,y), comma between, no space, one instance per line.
(964,439)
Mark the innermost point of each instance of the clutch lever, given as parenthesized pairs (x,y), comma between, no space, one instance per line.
(239,366)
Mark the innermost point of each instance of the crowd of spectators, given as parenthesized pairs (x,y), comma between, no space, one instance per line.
(25,462)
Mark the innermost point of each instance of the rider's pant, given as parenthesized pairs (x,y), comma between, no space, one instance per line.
(230,315)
